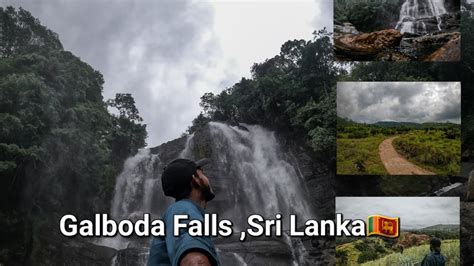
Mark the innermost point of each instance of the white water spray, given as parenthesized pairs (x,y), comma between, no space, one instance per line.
(413,12)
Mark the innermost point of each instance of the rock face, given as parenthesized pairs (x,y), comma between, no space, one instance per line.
(443,46)
(365,46)
(470,188)
(451,51)
(67,251)
(467,233)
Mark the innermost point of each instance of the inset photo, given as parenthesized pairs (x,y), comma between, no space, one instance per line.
(397,30)
(398,128)
(401,231)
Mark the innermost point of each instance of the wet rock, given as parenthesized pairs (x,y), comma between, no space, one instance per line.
(451,22)
(470,188)
(424,46)
(260,251)
(365,46)
(135,256)
(77,252)
(449,52)
(467,233)
(345,28)
(454,190)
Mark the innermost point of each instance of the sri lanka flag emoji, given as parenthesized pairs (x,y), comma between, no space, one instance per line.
(383,226)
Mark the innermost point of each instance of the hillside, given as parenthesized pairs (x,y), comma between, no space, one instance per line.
(409,247)
(345,122)
(442,227)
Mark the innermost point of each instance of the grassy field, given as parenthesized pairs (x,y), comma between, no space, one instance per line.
(375,251)
(414,255)
(360,156)
(432,150)
(432,146)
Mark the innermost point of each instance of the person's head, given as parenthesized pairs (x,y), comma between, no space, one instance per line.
(435,244)
(182,178)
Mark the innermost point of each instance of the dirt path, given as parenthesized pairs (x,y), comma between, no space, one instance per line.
(395,164)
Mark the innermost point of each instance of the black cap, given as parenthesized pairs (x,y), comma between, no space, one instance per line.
(177,176)
(435,242)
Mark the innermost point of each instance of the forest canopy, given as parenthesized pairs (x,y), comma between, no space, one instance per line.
(60,148)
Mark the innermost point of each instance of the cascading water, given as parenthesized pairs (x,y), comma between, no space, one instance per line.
(263,181)
(414,15)
(249,171)
(135,193)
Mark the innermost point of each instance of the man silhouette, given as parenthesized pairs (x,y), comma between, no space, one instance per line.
(434,258)
(185,181)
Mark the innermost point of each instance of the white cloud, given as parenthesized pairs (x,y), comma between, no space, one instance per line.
(418,102)
(168,53)
(414,212)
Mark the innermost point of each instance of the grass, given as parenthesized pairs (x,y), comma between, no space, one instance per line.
(414,255)
(409,186)
(360,156)
(431,150)
(359,251)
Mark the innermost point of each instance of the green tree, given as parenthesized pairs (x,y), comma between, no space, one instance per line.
(59,144)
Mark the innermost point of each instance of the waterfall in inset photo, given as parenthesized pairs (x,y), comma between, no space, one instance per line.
(415,15)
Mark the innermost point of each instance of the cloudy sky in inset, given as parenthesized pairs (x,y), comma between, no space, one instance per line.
(418,102)
(168,53)
(414,212)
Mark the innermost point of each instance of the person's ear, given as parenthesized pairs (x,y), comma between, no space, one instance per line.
(196,180)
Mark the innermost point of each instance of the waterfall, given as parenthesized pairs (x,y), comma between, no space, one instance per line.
(249,171)
(415,14)
(262,180)
(137,191)
(135,186)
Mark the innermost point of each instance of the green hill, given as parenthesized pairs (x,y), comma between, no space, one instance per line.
(442,227)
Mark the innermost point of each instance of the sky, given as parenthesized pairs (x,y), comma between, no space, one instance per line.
(414,212)
(418,102)
(169,53)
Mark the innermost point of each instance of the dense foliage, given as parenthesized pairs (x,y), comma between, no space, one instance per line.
(60,149)
(293,92)
(368,15)
(373,15)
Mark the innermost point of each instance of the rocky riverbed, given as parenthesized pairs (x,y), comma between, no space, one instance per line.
(429,44)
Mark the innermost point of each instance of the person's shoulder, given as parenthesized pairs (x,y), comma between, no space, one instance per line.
(183,207)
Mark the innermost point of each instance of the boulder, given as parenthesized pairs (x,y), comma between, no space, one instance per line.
(449,52)
(346,28)
(432,47)
(365,46)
